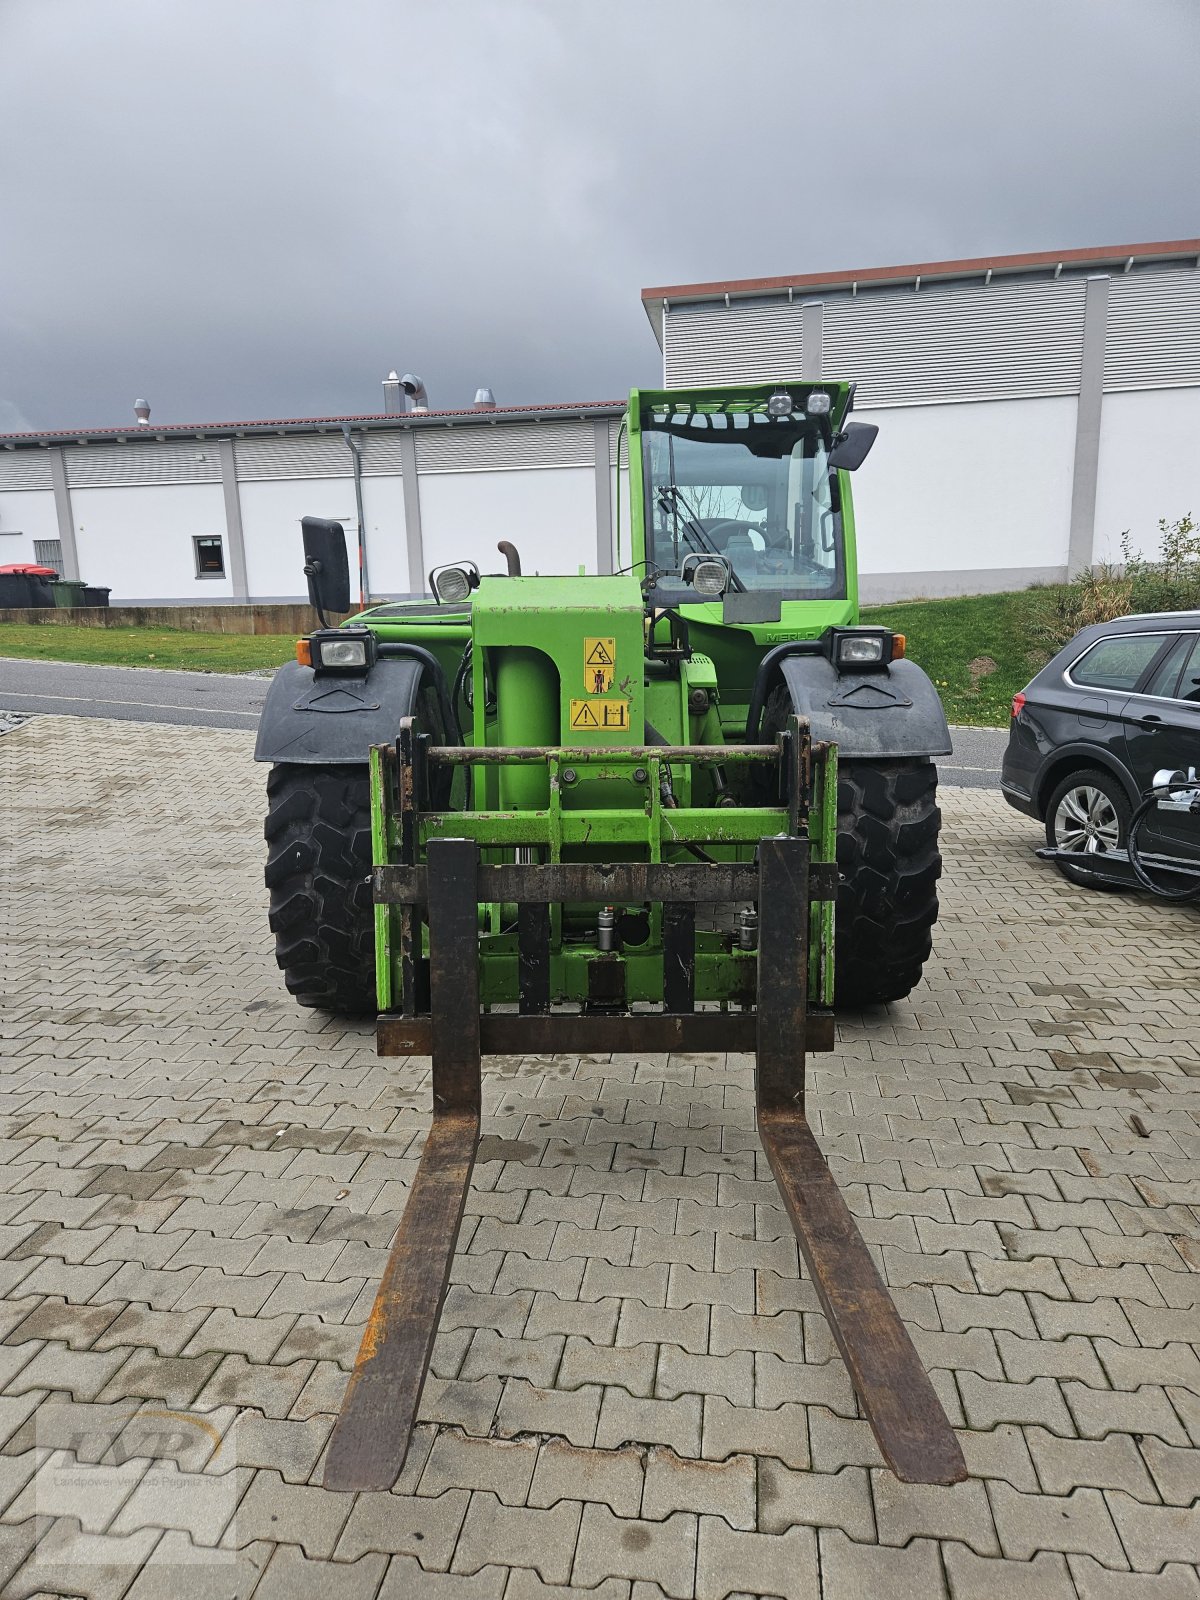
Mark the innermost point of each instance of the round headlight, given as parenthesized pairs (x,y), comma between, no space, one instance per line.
(710,578)
(451,584)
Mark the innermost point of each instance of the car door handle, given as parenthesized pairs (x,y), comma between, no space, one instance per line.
(1150,720)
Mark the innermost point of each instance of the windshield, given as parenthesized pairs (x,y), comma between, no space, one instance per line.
(753,488)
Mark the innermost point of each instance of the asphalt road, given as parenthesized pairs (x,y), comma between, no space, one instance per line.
(131,694)
(222,700)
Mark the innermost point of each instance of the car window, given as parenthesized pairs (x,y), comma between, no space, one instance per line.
(1189,682)
(1117,663)
(1164,680)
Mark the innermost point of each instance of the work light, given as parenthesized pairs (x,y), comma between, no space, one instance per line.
(848,648)
(453,584)
(342,650)
(780,404)
(708,575)
(817,404)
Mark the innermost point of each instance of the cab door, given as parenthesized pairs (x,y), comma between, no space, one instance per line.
(1162,729)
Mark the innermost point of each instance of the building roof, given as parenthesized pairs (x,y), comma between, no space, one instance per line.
(809,284)
(466,416)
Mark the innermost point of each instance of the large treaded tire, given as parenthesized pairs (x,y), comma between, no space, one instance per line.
(318,833)
(887,851)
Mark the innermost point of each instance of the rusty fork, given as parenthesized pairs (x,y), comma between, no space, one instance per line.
(372,1435)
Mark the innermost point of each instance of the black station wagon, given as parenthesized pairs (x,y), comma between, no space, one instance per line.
(1118,704)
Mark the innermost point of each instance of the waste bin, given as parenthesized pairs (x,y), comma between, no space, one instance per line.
(68,592)
(95,597)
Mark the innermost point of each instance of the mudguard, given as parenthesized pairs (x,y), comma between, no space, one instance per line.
(335,718)
(880,716)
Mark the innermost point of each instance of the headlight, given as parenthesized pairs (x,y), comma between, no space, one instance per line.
(857,651)
(708,575)
(344,653)
(848,648)
(343,650)
(453,584)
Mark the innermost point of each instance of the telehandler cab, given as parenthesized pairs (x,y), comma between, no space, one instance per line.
(619,813)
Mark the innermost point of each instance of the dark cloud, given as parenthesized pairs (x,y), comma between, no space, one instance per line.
(255,210)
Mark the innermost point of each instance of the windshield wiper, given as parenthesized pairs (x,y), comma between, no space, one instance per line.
(670,499)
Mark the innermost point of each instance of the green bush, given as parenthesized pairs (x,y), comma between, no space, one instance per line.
(1109,590)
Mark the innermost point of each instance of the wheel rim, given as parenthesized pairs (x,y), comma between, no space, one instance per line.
(1086,821)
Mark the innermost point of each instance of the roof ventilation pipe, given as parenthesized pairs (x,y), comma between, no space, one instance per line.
(141,410)
(393,405)
(415,390)
(485,400)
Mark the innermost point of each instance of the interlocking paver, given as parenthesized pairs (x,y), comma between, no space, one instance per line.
(198,1184)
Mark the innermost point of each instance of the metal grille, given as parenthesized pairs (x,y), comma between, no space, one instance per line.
(293,456)
(48,553)
(101,466)
(506,447)
(25,469)
(749,341)
(1152,339)
(949,342)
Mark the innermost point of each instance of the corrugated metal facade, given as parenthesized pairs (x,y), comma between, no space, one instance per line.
(510,446)
(1009,338)
(292,456)
(747,342)
(1153,330)
(956,342)
(24,469)
(100,466)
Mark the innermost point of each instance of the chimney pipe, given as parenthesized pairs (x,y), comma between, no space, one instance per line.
(415,389)
(141,410)
(485,400)
(393,405)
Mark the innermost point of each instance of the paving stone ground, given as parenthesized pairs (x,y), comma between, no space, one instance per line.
(634,1394)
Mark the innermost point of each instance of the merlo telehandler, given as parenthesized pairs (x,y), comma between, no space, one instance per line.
(687,806)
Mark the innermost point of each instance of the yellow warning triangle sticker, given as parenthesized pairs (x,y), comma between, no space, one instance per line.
(583,716)
(599,656)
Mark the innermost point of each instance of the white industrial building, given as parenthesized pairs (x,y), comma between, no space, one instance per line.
(1030,407)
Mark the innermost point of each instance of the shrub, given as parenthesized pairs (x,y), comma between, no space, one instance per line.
(1109,590)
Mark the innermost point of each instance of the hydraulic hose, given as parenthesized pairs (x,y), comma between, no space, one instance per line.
(1149,802)
(400,648)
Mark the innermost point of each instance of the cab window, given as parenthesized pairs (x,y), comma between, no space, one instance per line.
(1117,663)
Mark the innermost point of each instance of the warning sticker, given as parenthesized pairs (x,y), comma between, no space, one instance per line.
(598,679)
(599,652)
(599,716)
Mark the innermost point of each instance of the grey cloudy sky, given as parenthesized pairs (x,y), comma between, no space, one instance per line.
(255,209)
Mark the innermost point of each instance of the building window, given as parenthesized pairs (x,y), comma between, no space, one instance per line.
(48,553)
(210,558)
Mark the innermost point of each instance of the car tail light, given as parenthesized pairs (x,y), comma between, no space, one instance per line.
(1018,704)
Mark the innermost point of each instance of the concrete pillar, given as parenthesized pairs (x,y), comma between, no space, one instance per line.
(235,541)
(604,518)
(1081,544)
(412,512)
(62,509)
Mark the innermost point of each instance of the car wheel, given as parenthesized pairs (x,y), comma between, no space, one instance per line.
(1087,814)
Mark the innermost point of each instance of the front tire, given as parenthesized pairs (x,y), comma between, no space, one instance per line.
(1089,814)
(318,832)
(888,856)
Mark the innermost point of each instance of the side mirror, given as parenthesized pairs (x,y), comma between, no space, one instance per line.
(326,565)
(852,446)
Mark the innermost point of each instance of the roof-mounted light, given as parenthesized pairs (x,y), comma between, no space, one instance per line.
(818,403)
(780,404)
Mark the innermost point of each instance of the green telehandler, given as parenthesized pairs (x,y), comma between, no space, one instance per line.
(689,806)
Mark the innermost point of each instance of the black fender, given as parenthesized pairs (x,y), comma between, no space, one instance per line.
(336,718)
(1077,756)
(887,715)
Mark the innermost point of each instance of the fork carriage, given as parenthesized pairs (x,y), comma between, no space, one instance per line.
(502,932)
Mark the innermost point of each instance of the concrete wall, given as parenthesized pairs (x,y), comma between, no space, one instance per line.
(137,539)
(1148,466)
(25,515)
(293,619)
(965,499)
(271,512)
(549,513)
